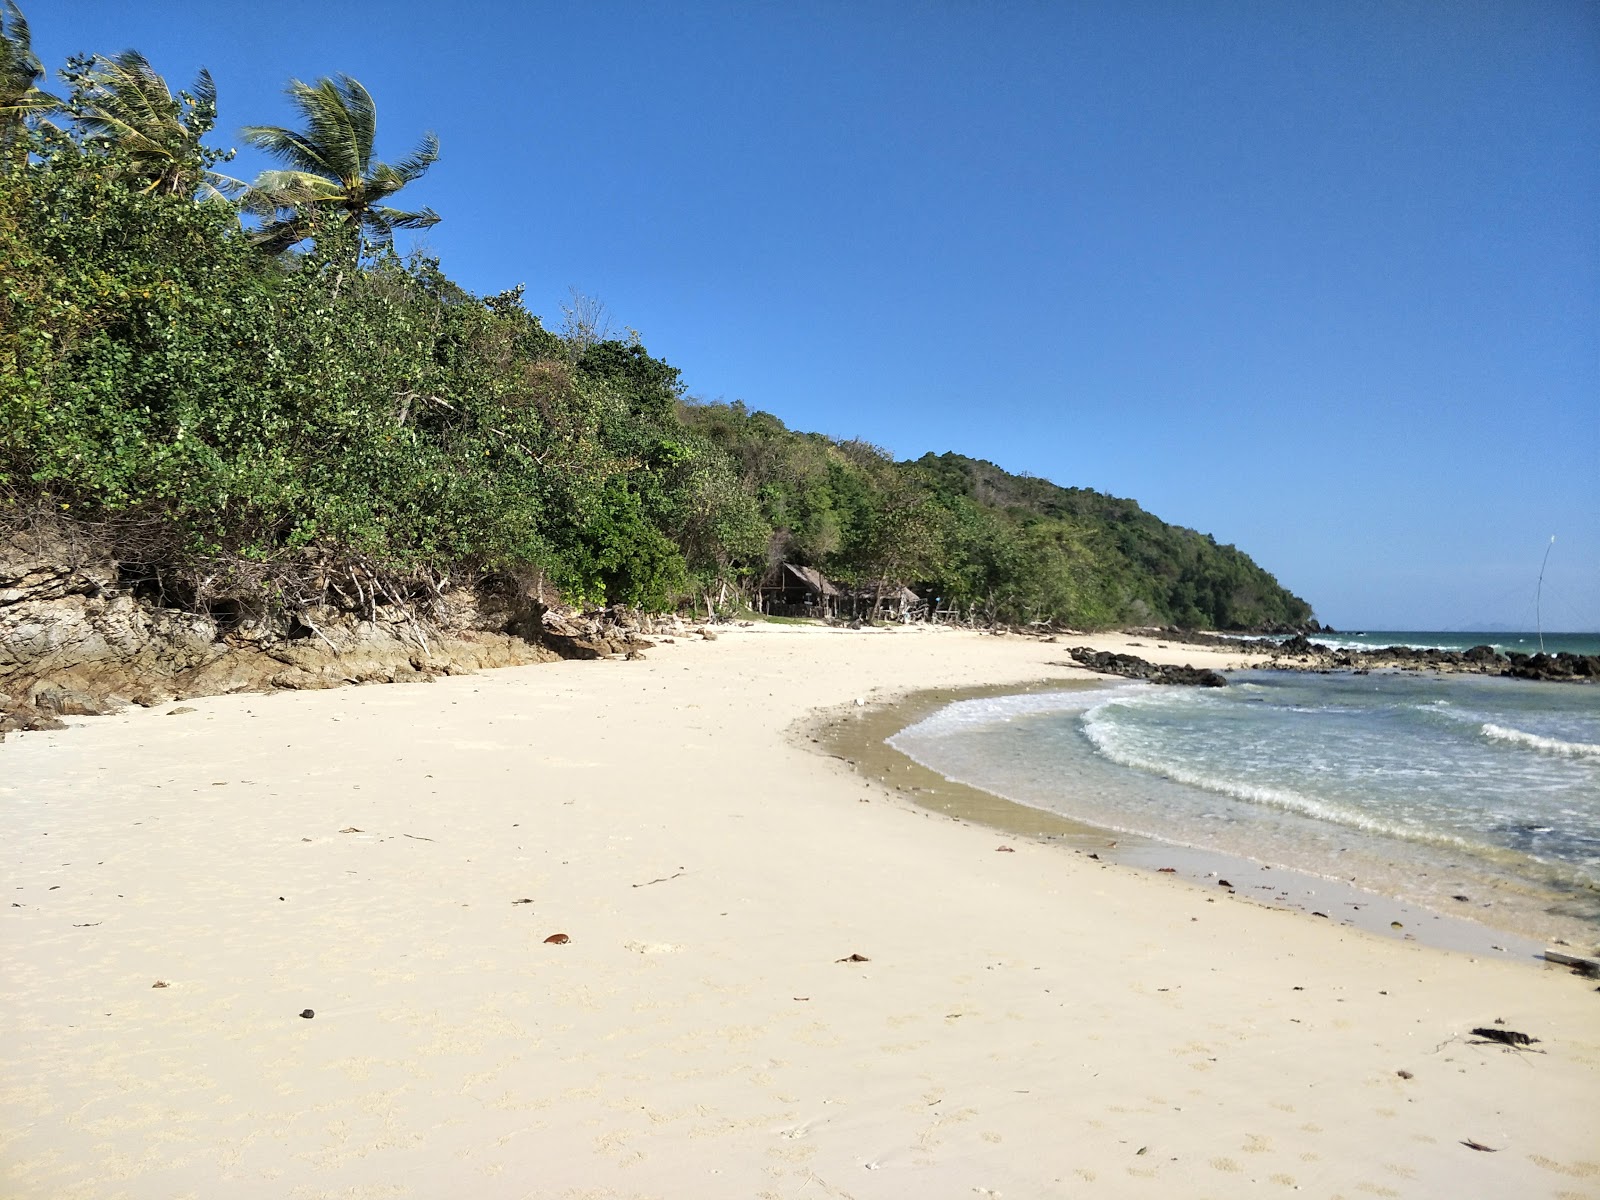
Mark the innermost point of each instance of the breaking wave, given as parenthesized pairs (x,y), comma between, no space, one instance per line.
(1534,741)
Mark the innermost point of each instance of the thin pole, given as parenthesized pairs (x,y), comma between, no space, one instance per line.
(1538,594)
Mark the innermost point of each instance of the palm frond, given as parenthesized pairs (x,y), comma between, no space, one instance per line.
(277,236)
(20,68)
(205,90)
(292,147)
(361,114)
(413,165)
(335,123)
(127,102)
(292,189)
(217,186)
(127,90)
(32,102)
(397,219)
(14,27)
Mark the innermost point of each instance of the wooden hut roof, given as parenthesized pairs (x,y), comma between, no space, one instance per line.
(808,577)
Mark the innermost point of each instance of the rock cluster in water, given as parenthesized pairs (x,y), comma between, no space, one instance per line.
(1131,666)
(1300,653)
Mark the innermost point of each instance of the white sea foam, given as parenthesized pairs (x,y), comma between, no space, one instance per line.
(1104,736)
(1547,745)
(1298,770)
(969,715)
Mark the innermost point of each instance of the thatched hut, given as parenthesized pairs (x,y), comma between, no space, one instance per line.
(790,590)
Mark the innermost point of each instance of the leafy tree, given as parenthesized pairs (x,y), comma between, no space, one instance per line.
(332,180)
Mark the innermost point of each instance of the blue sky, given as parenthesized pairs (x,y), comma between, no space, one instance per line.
(1319,278)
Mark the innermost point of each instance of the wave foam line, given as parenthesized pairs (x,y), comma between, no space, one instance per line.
(967,716)
(1547,745)
(1335,814)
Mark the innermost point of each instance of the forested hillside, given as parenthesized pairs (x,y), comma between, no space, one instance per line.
(243,395)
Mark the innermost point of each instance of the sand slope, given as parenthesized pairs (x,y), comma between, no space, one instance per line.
(1027,1024)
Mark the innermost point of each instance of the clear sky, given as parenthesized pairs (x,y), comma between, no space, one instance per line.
(1318,277)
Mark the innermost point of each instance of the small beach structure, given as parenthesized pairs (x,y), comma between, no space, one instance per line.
(790,590)
(892,602)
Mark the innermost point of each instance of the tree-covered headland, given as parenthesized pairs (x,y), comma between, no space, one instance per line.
(246,397)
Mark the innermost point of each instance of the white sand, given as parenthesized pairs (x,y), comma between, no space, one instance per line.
(1027,1024)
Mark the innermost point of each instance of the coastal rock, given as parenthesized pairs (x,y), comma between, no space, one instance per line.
(1558,667)
(1300,646)
(1300,654)
(70,702)
(1131,666)
(74,640)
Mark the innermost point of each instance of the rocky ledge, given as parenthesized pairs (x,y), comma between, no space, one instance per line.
(75,642)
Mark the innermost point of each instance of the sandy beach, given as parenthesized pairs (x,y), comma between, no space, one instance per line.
(620,929)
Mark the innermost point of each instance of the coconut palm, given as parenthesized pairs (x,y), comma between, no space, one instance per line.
(125,102)
(332,176)
(20,72)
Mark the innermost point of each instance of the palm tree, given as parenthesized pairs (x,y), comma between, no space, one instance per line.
(125,102)
(20,72)
(332,176)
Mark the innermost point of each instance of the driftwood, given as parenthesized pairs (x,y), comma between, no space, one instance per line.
(1509,1037)
(1580,964)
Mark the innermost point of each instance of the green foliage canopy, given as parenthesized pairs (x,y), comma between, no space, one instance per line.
(341,426)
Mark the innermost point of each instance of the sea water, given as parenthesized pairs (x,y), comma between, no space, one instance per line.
(1470,794)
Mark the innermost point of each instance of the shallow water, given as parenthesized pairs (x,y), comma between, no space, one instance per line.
(1432,788)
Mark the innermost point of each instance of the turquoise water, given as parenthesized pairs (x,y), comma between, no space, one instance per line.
(1505,643)
(1428,787)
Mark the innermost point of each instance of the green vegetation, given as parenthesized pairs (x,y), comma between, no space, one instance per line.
(332,178)
(260,405)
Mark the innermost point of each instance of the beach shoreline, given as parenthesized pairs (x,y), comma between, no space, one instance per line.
(861,738)
(778,978)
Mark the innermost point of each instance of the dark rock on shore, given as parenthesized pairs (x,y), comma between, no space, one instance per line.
(1131,666)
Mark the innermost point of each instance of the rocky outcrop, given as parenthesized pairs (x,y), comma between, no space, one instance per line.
(1131,666)
(1563,667)
(73,641)
(1300,654)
